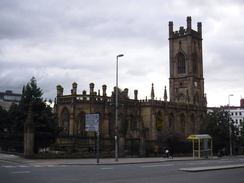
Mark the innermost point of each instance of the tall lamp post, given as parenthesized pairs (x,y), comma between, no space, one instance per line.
(116,110)
(230,125)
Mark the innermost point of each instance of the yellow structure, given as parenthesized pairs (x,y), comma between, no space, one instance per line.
(202,145)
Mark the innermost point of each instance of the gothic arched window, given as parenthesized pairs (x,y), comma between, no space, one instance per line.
(133,124)
(182,122)
(181,64)
(65,121)
(111,125)
(193,124)
(81,124)
(194,63)
(171,120)
(159,121)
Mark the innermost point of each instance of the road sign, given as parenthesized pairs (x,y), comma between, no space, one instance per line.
(92,122)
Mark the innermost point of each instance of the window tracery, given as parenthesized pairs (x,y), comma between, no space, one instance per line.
(181,64)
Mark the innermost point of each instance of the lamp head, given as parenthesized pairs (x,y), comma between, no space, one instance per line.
(120,55)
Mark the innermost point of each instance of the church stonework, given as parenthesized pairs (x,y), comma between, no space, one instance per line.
(186,65)
(143,119)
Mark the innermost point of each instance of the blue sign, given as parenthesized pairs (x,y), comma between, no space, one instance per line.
(92,123)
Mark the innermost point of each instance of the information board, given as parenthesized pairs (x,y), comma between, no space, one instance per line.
(92,122)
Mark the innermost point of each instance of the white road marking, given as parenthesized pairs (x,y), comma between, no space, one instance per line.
(52,166)
(9,166)
(66,165)
(5,161)
(23,166)
(150,166)
(198,163)
(109,168)
(224,161)
(22,172)
(38,166)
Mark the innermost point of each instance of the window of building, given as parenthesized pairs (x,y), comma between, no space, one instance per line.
(181,64)
(81,123)
(11,97)
(65,121)
(194,63)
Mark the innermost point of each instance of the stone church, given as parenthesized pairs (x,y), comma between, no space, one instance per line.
(138,119)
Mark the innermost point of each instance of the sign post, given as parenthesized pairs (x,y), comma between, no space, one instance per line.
(92,125)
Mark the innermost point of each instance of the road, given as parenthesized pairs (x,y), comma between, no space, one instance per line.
(144,172)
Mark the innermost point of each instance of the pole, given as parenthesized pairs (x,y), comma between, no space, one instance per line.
(98,146)
(230,126)
(116,110)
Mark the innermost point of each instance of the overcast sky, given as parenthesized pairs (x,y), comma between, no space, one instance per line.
(64,41)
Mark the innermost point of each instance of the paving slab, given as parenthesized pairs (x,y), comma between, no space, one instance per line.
(207,168)
(18,159)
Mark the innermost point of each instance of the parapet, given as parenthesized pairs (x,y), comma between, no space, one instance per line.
(184,32)
(122,94)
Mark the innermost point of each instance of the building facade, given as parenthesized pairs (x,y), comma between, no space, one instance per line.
(143,119)
(186,65)
(8,97)
(237,115)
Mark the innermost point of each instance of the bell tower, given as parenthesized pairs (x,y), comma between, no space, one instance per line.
(186,65)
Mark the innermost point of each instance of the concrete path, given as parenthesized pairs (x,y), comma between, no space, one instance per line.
(88,161)
(111,161)
(208,168)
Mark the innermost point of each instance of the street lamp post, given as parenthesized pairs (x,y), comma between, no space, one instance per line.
(116,110)
(230,125)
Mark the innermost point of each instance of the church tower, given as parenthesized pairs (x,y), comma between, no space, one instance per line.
(186,65)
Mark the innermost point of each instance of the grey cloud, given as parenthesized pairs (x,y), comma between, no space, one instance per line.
(60,41)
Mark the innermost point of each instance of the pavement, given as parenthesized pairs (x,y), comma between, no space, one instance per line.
(88,161)
(16,159)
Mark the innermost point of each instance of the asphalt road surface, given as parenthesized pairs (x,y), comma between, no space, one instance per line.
(135,173)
